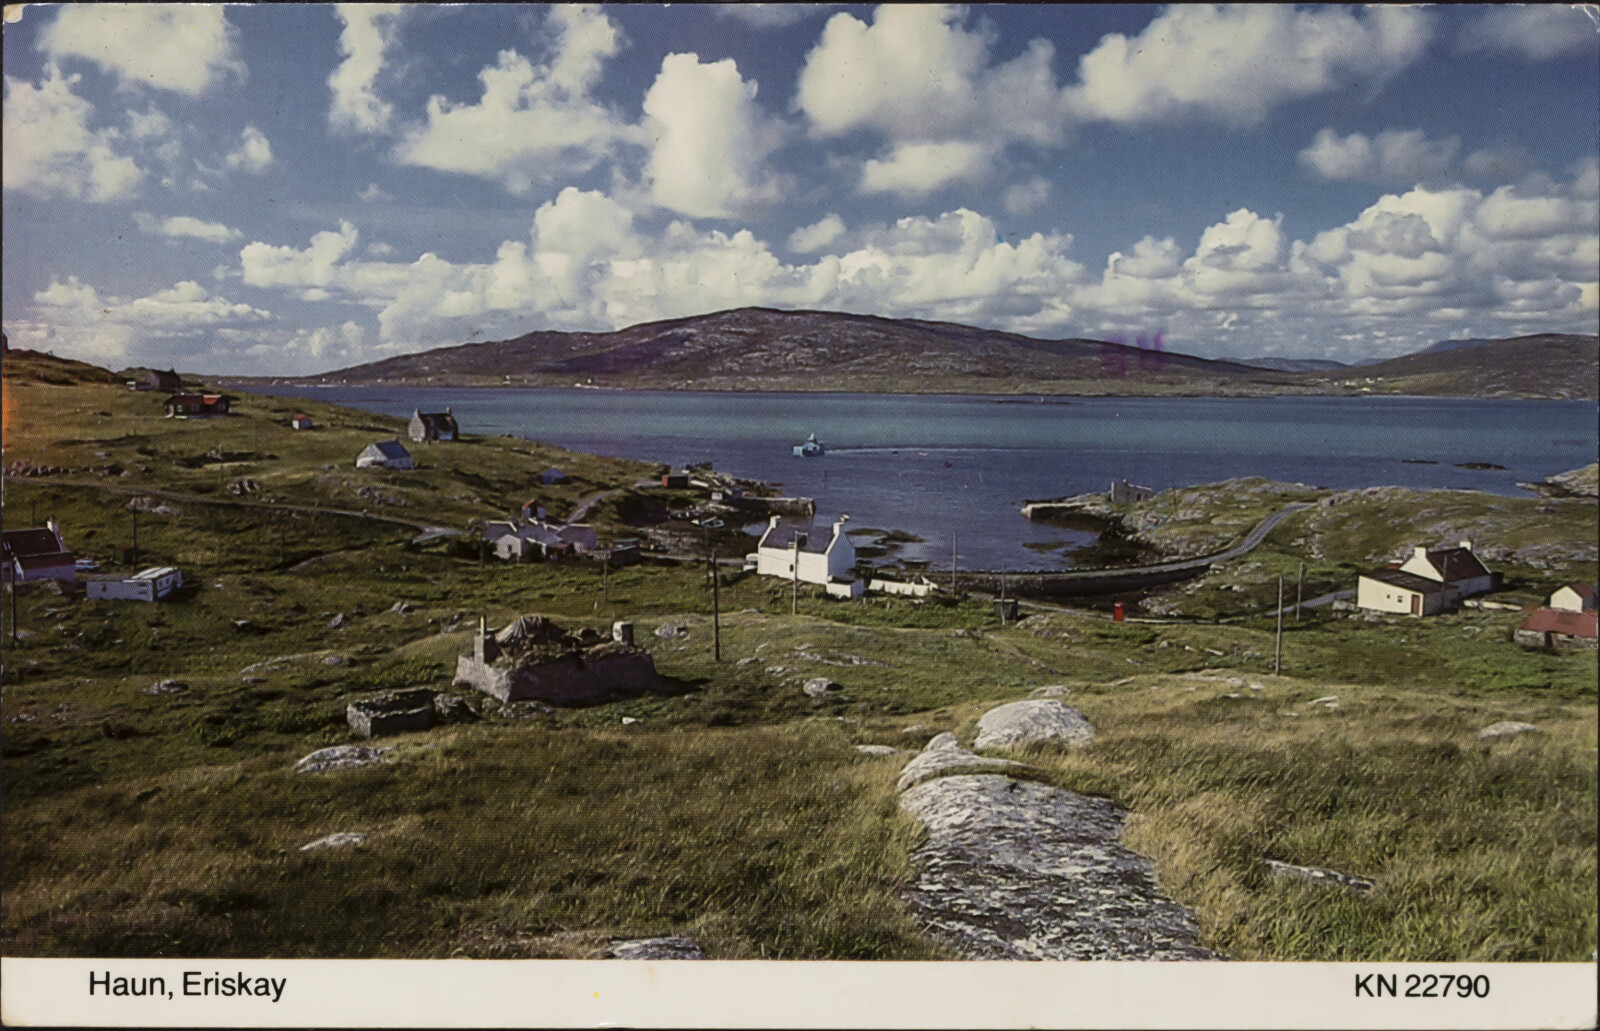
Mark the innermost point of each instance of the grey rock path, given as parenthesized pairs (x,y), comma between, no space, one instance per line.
(1013,870)
(944,755)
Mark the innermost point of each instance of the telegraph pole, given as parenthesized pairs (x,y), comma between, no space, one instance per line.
(794,601)
(955,539)
(716,609)
(1299,591)
(1277,655)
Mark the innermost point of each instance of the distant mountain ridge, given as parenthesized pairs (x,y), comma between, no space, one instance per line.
(768,349)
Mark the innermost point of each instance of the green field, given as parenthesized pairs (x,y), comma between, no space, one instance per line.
(738,811)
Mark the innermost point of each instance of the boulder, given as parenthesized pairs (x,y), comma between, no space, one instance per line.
(1032,721)
(819,687)
(452,708)
(1506,728)
(335,660)
(340,840)
(1013,870)
(671,630)
(339,757)
(337,621)
(876,749)
(1050,691)
(390,712)
(657,948)
(944,755)
(167,687)
(400,607)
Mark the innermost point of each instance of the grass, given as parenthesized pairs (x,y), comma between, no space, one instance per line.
(737,812)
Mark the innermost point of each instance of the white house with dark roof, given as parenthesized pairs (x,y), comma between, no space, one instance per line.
(811,554)
(384,454)
(1428,582)
(433,425)
(1575,597)
(37,553)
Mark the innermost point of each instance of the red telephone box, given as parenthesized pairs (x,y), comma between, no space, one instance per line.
(1116,612)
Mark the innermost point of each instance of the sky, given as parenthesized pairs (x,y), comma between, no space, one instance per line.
(292,188)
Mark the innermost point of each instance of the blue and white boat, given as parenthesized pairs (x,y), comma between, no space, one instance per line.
(812,448)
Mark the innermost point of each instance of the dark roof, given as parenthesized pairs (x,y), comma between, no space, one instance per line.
(1408,581)
(1559,621)
(35,541)
(60,558)
(1583,590)
(437,422)
(816,538)
(1457,564)
(390,448)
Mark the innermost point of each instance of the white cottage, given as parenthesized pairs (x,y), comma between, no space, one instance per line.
(1575,597)
(802,551)
(384,454)
(1429,581)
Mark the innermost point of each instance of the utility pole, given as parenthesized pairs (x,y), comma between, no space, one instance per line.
(134,555)
(1277,655)
(955,539)
(11,589)
(1002,594)
(794,601)
(1299,591)
(716,609)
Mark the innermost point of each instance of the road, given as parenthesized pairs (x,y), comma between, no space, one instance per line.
(425,531)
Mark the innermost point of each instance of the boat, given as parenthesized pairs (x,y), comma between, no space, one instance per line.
(812,448)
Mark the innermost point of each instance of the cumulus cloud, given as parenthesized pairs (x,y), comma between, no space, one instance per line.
(184,48)
(73,319)
(1535,32)
(254,152)
(373,193)
(267,266)
(916,169)
(916,74)
(770,16)
(369,31)
(1235,64)
(709,140)
(50,151)
(1393,155)
(185,227)
(818,235)
(531,121)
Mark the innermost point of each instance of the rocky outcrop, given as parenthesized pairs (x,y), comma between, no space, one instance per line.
(1318,875)
(944,755)
(1013,870)
(1033,721)
(339,757)
(390,712)
(657,948)
(1505,728)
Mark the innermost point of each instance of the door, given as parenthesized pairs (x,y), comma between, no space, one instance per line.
(1416,604)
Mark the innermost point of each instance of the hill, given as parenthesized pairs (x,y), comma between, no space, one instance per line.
(764,349)
(1551,365)
(24,366)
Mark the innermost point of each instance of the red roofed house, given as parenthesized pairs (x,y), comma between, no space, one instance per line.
(36,554)
(1555,628)
(1575,597)
(196,406)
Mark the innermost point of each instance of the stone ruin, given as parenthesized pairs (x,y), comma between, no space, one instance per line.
(531,658)
(395,712)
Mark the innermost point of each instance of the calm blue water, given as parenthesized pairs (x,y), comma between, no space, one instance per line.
(940,465)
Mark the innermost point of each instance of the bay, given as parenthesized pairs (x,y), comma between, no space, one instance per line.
(947,468)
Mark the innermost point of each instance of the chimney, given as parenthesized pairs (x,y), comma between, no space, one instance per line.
(1466,545)
(447,410)
(1420,552)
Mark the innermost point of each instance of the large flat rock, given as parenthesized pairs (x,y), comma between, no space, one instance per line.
(1013,870)
(1032,721)
(942,756)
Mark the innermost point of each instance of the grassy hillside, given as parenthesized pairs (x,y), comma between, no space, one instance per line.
(1546,365)
(141,822)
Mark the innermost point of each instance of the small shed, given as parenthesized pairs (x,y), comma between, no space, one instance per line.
(384,454)
(301,421)
(552,475)
(1124,493)
(36,553)
(1556,628)
(678,480)
(1393,590)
